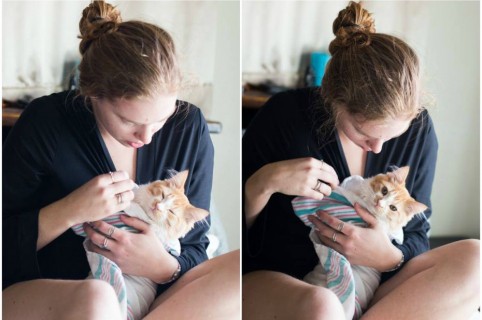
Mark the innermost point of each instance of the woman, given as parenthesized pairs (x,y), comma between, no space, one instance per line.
(366,117)
(74,157)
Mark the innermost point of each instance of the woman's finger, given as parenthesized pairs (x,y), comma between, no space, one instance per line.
(135,223)
(116,176)
(365,215)
(107,229)
(321,187)
(326,167)
(327,235)
(99,239)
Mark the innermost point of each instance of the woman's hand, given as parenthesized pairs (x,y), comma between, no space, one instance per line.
(100,197)
(140,254)
(368,246)
(96,199)
(307,177)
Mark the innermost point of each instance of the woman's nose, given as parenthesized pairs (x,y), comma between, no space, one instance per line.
(144,134)
(376,145)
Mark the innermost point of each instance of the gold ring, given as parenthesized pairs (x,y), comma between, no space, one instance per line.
(119,198)
(333,238)
(341,226)
(318,185)
(112,176)
(104,245)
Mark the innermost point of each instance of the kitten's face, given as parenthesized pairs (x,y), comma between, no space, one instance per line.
(391,200)
(168,207)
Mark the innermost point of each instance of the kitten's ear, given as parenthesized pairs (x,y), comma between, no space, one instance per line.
(400,174)
(194,214)
(414,207)
(180,179)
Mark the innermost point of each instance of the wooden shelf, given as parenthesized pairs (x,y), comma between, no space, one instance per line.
(253,99)
(10,116)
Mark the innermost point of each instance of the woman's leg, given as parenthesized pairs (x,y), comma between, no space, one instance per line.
(60,299)
(208,291)
(442,283)
(274,295)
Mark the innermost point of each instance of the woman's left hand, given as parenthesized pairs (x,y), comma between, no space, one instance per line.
(368,246)
(139,254)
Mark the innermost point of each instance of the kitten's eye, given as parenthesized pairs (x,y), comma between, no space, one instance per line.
(393,208)
(384,191)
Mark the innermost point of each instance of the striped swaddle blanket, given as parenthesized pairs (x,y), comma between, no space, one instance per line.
(334,270)
(354,285)
(135,294)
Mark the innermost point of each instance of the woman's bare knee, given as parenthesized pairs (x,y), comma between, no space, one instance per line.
(268,295)
(92,299)
(320,303)
(60,299)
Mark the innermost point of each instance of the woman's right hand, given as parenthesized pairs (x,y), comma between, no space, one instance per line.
(99,198)
(95,200)
(296,177)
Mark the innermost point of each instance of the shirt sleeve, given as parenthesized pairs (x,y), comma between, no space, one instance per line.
(194,244)
(27,157)
(416,232)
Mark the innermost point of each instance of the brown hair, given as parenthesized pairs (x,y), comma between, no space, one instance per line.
(124,59)
(372,74)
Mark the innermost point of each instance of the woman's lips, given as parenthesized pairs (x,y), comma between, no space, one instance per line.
(136,144)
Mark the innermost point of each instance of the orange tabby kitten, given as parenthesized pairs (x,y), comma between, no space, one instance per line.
(167,207)
(384,196)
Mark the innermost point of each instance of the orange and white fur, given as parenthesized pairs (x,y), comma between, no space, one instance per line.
(385,197)
(166,208)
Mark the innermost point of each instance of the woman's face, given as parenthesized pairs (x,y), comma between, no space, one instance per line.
(133,122)
(370,135)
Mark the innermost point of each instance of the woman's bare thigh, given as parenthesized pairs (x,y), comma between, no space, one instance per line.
(59,299)
(274,295)
(441,283)
(211,290)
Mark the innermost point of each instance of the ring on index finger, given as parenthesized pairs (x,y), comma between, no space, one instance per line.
(318,185)
(340,227)
(112,176)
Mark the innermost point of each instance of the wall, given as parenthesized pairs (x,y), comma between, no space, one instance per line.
(445,34)
(206,34)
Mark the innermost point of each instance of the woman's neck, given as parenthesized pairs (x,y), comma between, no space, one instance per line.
(355,156)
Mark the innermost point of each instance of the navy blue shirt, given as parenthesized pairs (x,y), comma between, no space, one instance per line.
(55,147)
(286,128)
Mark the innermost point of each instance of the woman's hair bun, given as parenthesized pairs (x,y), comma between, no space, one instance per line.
(98,18)
(353,27)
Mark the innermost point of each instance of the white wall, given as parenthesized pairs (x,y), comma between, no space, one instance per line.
(39,36)
(445,34)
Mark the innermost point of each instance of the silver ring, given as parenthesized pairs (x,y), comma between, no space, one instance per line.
(119,198)
(104,245)
(322,162)
(333,238)
(111,232)
(318,185)
(112,176)
(341,226)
